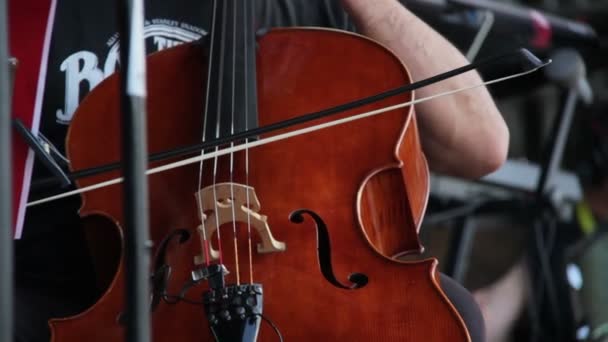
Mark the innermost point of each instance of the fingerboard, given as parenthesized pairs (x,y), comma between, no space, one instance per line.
(231,105)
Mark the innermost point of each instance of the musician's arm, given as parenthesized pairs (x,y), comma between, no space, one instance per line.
(463,134)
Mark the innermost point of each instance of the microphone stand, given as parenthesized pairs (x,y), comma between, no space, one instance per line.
(6,221)
(533,204)
(569,73)
(134,152)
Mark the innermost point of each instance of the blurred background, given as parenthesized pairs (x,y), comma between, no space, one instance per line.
(529,241)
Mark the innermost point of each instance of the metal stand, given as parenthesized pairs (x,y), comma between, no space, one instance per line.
(6,220)
(464,231)
(460,248)
(482,34)
(135,191)
(567,71)
(42,152)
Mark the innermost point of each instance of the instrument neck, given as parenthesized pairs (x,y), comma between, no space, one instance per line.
(231,89)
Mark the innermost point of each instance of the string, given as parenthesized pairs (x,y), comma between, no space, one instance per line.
(247,79)
(205,241)
(233,199)
(217,129)
(279,137)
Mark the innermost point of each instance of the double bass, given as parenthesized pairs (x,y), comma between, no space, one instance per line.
(296,240)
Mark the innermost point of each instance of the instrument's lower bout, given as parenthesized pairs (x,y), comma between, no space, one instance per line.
(366,181)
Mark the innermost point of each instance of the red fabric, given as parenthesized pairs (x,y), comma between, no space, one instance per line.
(543,32)
(28,21)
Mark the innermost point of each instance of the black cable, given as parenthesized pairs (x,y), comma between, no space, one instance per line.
(542,287)
(179,298)
(174,299)
(533,305)
(545,244)
(271,323)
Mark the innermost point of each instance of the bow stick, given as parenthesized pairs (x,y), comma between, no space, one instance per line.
(278,137)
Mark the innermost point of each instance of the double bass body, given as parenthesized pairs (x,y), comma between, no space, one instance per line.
(366,181)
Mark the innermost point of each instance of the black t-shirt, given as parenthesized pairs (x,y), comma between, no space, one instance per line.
(84,51)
